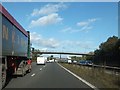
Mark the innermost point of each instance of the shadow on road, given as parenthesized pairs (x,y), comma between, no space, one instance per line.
(9,78)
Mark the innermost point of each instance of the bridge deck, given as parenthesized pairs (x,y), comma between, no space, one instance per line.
(63,53)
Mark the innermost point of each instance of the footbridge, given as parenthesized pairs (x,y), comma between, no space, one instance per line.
(55,52)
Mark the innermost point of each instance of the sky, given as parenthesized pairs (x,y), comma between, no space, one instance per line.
(60,0)
(66,26)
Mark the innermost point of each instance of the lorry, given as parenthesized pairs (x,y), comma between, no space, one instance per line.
(41,60)
(14,46)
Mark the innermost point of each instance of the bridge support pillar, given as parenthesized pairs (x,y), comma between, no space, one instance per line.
(60,56)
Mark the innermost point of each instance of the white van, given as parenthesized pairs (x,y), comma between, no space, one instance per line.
(41,60)
(69,61)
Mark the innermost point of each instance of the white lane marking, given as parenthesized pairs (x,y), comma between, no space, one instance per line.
(33,75)
(40,69)
(43,66)
(84,81)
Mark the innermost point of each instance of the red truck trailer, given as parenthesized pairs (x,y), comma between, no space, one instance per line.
(15,46)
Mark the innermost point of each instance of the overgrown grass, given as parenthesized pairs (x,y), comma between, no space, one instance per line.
(95,76)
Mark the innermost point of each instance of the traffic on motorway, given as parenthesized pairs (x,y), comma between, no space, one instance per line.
(49,75)
(59,45)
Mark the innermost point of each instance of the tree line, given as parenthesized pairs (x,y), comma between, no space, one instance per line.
(108,52)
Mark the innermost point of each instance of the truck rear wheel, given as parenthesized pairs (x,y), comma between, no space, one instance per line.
(4,74)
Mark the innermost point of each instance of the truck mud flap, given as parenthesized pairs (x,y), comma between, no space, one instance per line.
(4,74)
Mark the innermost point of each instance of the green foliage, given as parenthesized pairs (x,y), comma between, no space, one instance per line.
(109,44)
(108,52)
(84,57)
(76,58)
(50,57)
(34,55)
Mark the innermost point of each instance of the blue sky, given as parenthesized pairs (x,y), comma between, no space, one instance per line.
(67,26)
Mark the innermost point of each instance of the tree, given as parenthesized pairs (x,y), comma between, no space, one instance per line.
(107,52)
(35,55)
(90,57)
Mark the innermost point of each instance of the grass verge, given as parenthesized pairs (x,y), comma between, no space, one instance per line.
(95,76)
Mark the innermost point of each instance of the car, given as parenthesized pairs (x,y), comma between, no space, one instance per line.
(85,62)
(51,60)
(74,61)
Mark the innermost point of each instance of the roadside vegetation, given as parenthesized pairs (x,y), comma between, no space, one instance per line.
(96,76)
(107,54)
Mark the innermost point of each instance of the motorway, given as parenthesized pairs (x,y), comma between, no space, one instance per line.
(50,75)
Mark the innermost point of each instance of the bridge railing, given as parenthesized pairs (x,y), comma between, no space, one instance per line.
(60,52)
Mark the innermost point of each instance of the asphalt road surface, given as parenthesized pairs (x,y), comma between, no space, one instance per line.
(50,75)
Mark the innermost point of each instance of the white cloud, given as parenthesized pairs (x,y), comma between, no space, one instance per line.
(35,12)
(87,25)
(77,46)
(48,14)
(82,23)
(46,20)
(68,29)
(84,26)
(66,45)
(44,49)
(71,30)
(88,22)
(92,20)
(38,40)
(48,9)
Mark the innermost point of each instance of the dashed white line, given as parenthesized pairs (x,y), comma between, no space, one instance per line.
(40,69)
(84,81)
(43,66)
(33,75)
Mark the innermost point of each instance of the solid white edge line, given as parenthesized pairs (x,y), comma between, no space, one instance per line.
(84,81)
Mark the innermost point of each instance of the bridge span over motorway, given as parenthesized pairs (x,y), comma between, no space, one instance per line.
(69,53)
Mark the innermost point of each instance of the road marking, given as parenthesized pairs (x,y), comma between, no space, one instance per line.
(33,75)
(84,81)
(43,66)
(40,69)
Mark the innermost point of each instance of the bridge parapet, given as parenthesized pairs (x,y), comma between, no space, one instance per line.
(56,52)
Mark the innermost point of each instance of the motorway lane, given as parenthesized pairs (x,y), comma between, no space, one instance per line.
(50,75)
(22,82)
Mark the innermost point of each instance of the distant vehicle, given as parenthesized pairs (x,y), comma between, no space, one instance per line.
(65,61)
(89,62)
(69,61)
(41,60)
(74,61)
(85,62)
(51,60)
(47,61)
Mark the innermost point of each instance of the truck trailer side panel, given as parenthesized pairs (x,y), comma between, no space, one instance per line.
(14,42)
